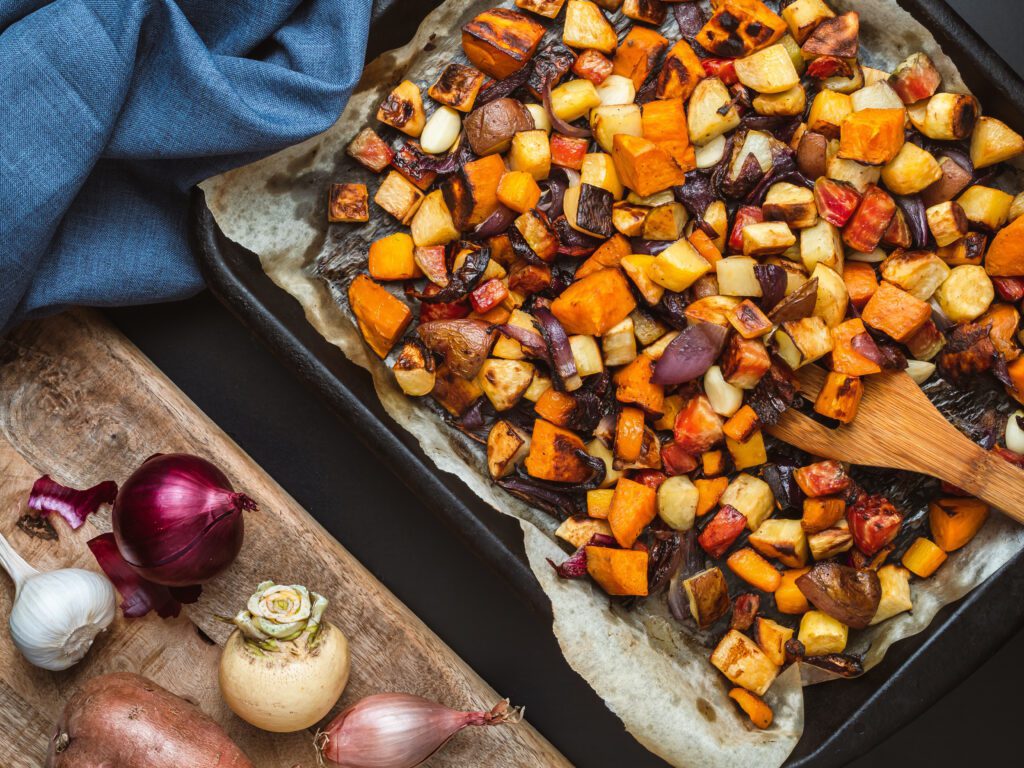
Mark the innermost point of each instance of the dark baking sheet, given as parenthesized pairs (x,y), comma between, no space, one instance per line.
(843,720)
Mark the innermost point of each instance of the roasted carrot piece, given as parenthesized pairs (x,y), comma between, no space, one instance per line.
(555,406)
(608,254)
(788,597)
(382,318)
(861,282)
(618,571)
(709,491)
(895,312)
(634,506)
(629,434)
(742,424)
(633,386)
(705,246)
(554,454)
(846,359)
(753,706)
(643,166)
(595,303)
(955,520)
(754,569)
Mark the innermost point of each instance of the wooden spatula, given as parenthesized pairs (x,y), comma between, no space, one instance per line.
(898,427)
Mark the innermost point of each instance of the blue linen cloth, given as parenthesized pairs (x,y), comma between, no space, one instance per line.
(111,110)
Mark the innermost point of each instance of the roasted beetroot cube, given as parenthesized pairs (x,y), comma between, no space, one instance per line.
(594,66)
(867,227)
(652,478)
(748,214)
(568,152)
(915,79)
(723,69)
(1009,288)
(370,150)
(698,428)
(675,460)
(829,66)
(874,522)
(825,478)
(836,200)
(432,262)
(455,310)
(487,296)
(744,611)
(722,531)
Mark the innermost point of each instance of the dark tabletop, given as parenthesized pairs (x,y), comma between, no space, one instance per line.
(310,452)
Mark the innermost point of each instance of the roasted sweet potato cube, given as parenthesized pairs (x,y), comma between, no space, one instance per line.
(554,454)
(895,312)
(872,136)
(607,255)
(680,73)
(634,506)
(742,424)
(618,571)
(457,86)
(348,203)
(629,434)
(749,321)
(593,66)
(822,512)
(749,453)
(599,502)
(698,428)
(472,194)
(455,393)
(823,478)
(643,166)
(845,358)
(649,11)
(501,41)
(838,36)
(638,53)
(709,491)
(556,407)
(595,303)
(956,520)
(665,120)
(398,196)
(840,397)
(391,258)
(867,227)
(712,463)
(739,27)
(402,108)
(370,150)
(633,386)
(788,597)
(546,8)
(1005,257)
(745,361)
(382,318)
(722,531)
(518,190)
(861,282)
(708,594)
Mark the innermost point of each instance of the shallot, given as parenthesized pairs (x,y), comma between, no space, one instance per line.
(399,730)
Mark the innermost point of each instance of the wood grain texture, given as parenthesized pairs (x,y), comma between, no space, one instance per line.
(898,427)
(79,402)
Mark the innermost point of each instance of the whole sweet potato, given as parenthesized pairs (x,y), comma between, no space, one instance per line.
(126,721)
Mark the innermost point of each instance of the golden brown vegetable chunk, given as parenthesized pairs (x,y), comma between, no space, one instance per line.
(403,109)
(348,203)
(593,305)
(381,317)
(554,454)
(500,41)
(457,86)
(739,27)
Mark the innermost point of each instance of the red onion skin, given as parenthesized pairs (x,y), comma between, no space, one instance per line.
(177,520)
(399,730)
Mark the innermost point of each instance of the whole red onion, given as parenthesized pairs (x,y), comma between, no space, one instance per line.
(399,730)
(177,520)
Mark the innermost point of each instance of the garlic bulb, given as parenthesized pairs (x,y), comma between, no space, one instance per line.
(56,614)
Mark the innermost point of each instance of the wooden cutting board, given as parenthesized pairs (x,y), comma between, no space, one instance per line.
(79,402)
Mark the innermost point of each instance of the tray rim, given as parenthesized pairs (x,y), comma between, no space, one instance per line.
(495,537)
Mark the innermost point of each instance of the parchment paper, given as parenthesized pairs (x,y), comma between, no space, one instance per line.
(652,672)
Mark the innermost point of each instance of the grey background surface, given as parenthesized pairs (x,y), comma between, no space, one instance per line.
(263,406)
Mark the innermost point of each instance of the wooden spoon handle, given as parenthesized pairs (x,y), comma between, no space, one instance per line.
(987,476)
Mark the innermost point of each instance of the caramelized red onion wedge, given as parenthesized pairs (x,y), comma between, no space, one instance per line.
(690,354)
(74,506)
(399,730)
(575,566)
(916,218)
(798,305)
(496,223)
(563,364)
(557,123)
(772,279)
(531,341)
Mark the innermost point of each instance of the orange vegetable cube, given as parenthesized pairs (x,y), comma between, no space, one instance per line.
(634,506)
(638,53)
(956,520)
(629,434)
(923,558)
(709,491)
(742,424)
(618,571)
(593,66)
(861,282)
(840,397)
(753,706)
(748,453)
(788,597)
(519,191)
(555,406)
(1005,257)
(554,454)
(822,513)
(846,359)
(633,386)
(754,569)
(872,136)
(568,152)
(680,73)
(895,312)
(594,304)
(382,318)
(599,501)
(665,120)
(643,166)
(348,203)
(609,254)
(500,41)
(713,463)
(391,258)
(471,195)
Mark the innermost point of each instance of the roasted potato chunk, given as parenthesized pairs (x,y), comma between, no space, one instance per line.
(739,27)
(743,663)
(709,596)
(507,445)
(348,203)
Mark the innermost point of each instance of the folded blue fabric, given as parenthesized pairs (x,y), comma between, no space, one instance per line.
(111,110)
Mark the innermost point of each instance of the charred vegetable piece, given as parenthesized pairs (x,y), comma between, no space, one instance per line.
(838,36)
(874,522)
(547,8)
(464,344)
(849,595)
(594,211)
(403,109)
(507,445)
(680,73)
(825,478)
(382,318)
(457,86)
(915,78)
(722,531)
(955,521)
(348,203)
(708,595)
(370,150)
(548,67)
(739,27)
(555,455)
(743,663)
(500,41)
(783,540)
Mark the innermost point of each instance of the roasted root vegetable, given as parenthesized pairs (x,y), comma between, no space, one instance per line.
(594,304)
(618,571)
(782,540)
(370,150)
(708,594)
(895,584)
(638,53)
(555,454)
(754,569)
(500,42)
(895,312)
(490,128)
(848,595)
(956,520)
(348,203)
(739,27)
(743,663)
(840,397)
(382,318)
(821,634)
(923,558)
(753,707)
(507,445)
(414,370)
(122,719)
(587,27)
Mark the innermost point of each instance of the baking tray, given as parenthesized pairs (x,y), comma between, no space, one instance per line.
(843,720)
